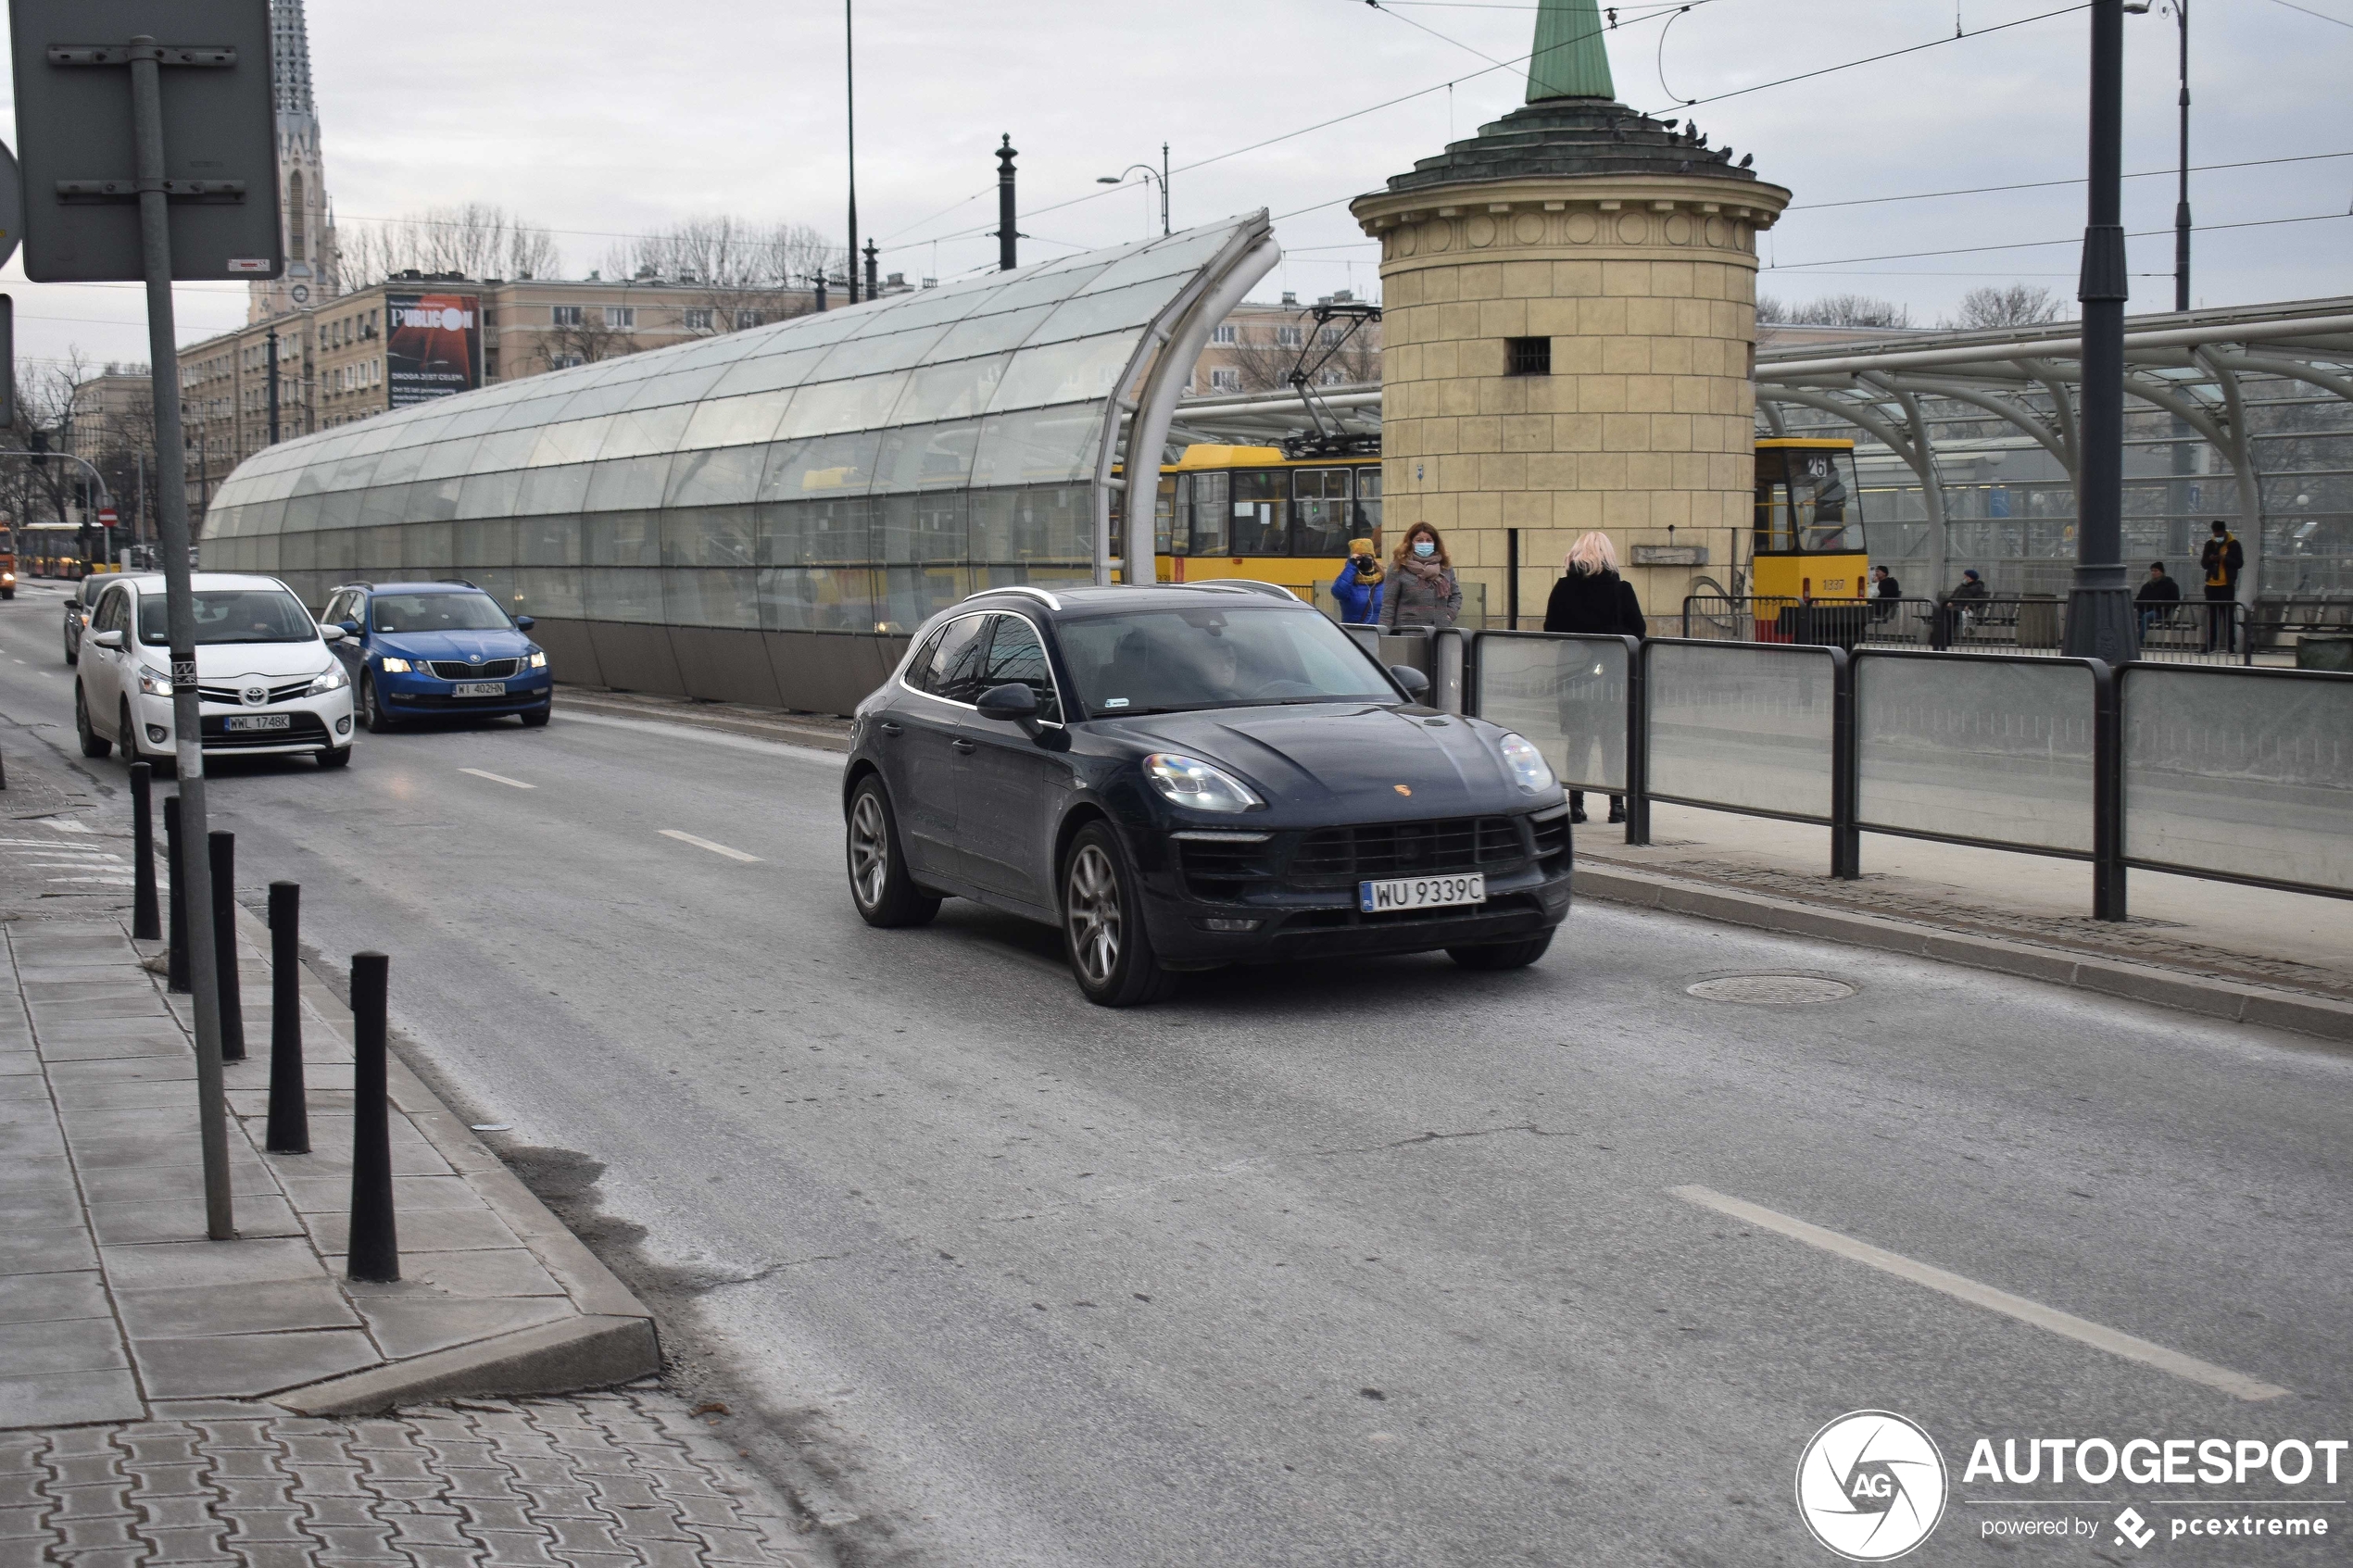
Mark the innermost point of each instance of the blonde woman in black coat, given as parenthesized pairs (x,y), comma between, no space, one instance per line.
(1592,597)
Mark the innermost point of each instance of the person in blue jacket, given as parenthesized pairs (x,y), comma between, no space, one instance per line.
(1358,586)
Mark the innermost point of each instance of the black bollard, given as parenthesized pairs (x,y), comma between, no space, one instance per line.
(177,981)
(144,923)
(289,1117)
(224,944)
(374,1246)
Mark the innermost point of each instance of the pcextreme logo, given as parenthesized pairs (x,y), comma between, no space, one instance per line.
(1870,1486)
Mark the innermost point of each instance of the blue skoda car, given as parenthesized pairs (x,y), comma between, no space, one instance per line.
(431,650)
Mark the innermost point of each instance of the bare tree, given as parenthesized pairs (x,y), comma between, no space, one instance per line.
(40,490)
(583,337)
(728,274)
(477,240)
(1266,362)
(2019,304)
(1837,311)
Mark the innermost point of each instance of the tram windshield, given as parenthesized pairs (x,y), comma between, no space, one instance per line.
(1805,500)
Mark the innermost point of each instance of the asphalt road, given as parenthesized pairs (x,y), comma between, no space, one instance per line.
(1367,1265)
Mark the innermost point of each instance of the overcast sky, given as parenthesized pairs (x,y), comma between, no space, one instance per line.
(601,118)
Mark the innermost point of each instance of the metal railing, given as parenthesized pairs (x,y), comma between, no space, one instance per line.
(2190,631)
(2221,772)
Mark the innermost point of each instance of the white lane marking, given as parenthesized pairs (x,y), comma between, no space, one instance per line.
(2066,1324)
(728,739)
(706,844)
(67,824)
(498,778)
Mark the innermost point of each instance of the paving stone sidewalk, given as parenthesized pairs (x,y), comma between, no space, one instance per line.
(614,1480)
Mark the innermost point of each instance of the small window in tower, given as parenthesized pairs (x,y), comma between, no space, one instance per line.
(1528,357)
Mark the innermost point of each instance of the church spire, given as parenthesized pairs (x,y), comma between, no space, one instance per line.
(311,263)
(1569,61)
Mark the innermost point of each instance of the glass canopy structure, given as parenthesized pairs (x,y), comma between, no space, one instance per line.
(764,517)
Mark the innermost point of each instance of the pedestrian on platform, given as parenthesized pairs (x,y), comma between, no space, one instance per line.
(2158,597)
(1886,594)
(2222,559)
(1421,590)
(1592,597)
(1357,589)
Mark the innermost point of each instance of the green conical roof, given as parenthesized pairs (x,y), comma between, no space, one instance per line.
(1569,61)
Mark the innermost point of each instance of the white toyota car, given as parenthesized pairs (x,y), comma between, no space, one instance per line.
(265,682)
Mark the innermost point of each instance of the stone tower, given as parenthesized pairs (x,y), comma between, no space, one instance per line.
(311,277)
(1569,332)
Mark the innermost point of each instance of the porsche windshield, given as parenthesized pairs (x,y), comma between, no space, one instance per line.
(1215,656)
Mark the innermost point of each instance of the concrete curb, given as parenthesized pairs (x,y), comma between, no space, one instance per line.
(557,1358)
(2211,996)
(613,1341)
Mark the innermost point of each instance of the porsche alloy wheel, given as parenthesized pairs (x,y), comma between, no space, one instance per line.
(1110,953)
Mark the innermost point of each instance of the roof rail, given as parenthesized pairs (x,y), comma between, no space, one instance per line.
(1244,585)
(460,581)
(1051,602)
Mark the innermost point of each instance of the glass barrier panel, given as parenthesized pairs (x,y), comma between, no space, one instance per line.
(2247,774)
(1568,696)
(1746,727)
(1983,749)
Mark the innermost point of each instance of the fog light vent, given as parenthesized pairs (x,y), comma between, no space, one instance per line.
(342,726)
(156,733)
(1225,922)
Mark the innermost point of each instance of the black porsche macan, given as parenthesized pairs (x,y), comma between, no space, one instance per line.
(1183,778)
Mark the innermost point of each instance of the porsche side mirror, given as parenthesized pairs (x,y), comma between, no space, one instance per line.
(1412,680)
(525,622)
(1012,703)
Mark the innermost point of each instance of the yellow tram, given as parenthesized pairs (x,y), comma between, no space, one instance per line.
(1250,511)
(1807,546)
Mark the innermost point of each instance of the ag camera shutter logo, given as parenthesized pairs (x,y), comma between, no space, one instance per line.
(1870,1486)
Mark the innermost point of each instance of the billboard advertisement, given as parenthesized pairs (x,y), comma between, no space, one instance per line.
(432,346)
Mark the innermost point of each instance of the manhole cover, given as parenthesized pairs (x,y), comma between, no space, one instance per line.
(1772,990)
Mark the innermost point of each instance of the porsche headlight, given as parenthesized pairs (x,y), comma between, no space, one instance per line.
(1187,781)
(330,679)
(1529,771)
(395,665)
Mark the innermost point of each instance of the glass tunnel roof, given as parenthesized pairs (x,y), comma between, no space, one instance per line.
(996,382)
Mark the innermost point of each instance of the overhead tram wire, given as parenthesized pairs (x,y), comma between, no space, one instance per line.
(2038,244)
(1874,60)
(2307,10)
(1667,12)
(1516,61)
(2045,185)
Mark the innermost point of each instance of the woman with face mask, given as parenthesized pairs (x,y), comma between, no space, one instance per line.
(1421,589)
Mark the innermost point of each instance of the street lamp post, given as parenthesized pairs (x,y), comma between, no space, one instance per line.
(2100,624)
(849,119)
(1157,176)
(2181,200)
